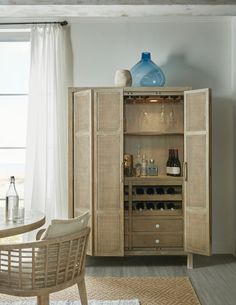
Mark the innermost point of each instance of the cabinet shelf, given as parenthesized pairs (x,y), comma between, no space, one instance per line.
(152,133)
(165,197)
(154,180)
(177,212)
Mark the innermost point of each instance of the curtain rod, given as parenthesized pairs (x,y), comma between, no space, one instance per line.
(62,23)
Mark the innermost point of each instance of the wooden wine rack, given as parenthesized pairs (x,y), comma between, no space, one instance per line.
(150,232)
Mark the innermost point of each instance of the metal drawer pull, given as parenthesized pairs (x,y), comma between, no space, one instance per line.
(157,226)
(157,241)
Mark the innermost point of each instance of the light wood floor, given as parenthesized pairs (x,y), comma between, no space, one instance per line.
(214,278)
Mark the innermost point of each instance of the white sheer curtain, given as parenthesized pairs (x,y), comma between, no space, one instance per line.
(46,147)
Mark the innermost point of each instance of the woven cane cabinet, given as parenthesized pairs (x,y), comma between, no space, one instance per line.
(105,124)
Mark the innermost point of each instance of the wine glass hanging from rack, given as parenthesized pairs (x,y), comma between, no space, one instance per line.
(153,99)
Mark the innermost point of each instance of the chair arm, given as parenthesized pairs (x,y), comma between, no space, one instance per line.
(40,233)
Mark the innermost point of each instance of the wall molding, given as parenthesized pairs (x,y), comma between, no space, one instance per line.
(84,11)
(161,19)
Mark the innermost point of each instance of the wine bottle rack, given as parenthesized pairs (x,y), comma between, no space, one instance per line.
(153,210)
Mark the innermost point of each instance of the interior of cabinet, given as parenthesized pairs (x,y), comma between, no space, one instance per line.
(153,205)
(152,126)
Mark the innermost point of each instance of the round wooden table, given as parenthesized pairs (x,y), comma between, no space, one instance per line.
(32,221)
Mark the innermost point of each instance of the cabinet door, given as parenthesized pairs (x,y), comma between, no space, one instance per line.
(197,158)
(82,157)
(108,172)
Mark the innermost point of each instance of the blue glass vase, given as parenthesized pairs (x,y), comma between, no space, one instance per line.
(146,73)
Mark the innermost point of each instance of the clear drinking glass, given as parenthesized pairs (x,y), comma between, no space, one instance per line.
(172,115)
(162,114)
(18,215)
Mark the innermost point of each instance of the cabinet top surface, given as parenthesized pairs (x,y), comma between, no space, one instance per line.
(135,89)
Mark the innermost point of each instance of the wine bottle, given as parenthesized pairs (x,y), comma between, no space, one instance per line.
(150,191)
(169,162)
(139,190)
(126,192)
(12,200)
(150,206)
(170,206)
(160,206)
(176,166)
(160,191)
(170,191)
(140,206)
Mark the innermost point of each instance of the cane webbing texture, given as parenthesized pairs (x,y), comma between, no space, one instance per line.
(42,264)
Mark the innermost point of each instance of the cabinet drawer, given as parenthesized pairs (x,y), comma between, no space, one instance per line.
(148,224)
(146,240)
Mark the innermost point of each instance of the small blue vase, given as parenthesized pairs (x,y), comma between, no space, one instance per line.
(146,73)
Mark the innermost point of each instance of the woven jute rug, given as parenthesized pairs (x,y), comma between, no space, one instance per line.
(148,290)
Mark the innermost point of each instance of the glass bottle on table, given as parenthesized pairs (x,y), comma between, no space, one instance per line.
(12,200)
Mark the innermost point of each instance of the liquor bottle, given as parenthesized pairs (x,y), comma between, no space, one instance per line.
(169,162)
(128,165)
(150,206)
(144,166)
(12,200)
(152,168)
(138,163)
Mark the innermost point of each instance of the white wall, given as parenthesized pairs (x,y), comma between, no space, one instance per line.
(191,51)
(234,99)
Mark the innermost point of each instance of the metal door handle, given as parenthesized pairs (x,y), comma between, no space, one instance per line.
(122,172)
(185,171)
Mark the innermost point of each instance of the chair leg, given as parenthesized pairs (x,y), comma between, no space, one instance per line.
(43,299)
(83,292)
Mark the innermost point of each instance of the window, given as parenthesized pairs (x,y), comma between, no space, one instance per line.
(14,87)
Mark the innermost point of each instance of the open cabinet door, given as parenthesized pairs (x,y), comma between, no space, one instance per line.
(83,157)
(197,171)
(108,172)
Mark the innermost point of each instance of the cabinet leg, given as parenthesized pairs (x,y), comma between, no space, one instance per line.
(190,261)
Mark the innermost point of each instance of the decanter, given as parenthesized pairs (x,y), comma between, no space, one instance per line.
(146,73)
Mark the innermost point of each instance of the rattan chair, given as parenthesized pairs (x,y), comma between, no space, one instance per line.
(42,267)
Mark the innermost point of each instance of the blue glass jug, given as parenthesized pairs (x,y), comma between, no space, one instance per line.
(146,73)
